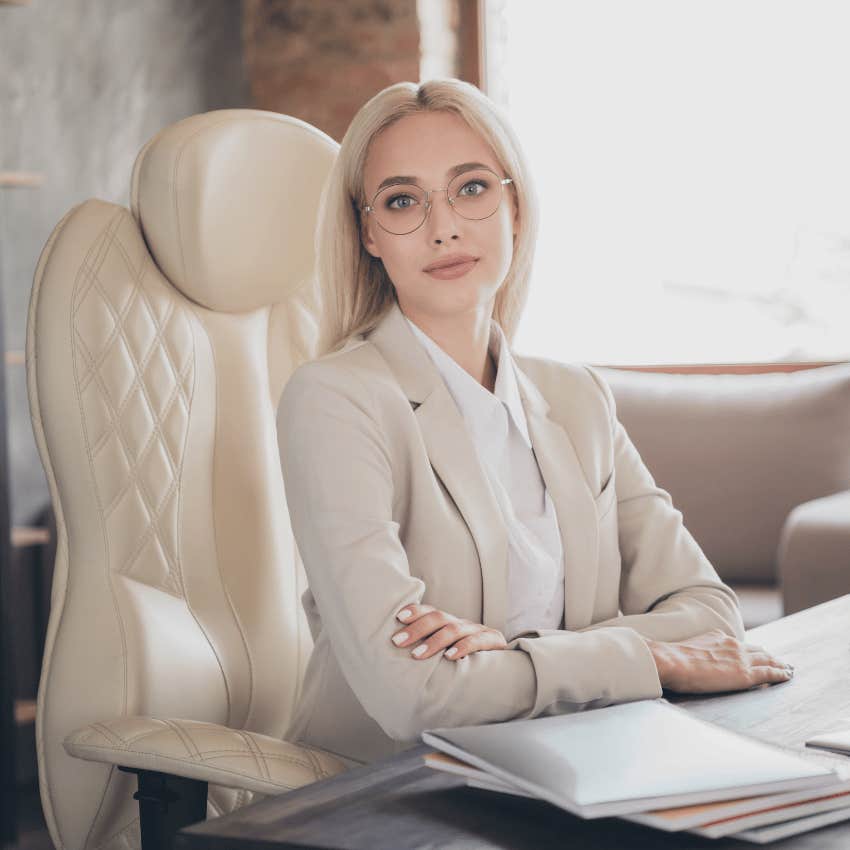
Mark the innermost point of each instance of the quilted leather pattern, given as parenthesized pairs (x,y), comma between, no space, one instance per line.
(177,582)
(135,359)
(205,751)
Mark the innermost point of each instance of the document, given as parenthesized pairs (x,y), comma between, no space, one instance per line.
(629,758)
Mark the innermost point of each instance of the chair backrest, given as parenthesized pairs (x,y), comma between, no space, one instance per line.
(738,452)
(158,344)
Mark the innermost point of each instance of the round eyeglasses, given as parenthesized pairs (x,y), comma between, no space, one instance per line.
(403,207)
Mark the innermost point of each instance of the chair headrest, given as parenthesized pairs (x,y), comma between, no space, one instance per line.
(228,200)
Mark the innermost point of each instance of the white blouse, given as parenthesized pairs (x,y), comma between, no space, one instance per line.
(499,431)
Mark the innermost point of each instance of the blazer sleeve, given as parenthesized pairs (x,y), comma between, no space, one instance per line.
(338,478)
(668,588)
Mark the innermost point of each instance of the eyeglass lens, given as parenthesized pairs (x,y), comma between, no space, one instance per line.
(401,208)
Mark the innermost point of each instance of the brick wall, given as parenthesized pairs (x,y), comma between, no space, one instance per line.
(321,60)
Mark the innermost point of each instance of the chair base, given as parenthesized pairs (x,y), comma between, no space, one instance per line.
(166,804)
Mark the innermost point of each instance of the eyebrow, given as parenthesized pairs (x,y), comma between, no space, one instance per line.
(452,172)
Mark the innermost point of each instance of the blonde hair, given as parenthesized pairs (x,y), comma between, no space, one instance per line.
(353,288)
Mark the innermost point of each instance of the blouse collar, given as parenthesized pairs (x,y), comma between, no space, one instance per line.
(474,400)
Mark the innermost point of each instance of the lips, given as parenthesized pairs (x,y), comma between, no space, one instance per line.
(448,262)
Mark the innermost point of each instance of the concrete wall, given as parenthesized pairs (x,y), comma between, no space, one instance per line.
(83,84)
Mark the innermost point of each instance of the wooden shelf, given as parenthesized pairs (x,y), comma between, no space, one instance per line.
(25,711)
(15,358)
(20,179)
(23,535)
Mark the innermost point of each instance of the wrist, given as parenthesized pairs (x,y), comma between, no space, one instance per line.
(661,657)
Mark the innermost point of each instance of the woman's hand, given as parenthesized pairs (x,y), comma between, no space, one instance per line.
(434,630)
(713,662)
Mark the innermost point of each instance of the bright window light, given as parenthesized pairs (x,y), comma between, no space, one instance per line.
(692,161)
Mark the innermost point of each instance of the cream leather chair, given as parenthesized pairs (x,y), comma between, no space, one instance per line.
(158,343)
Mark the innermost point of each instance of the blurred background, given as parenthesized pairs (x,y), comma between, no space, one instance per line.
(690,158)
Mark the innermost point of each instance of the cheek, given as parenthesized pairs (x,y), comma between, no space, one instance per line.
(501,239)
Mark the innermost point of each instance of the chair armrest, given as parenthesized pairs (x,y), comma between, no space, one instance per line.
(233,758)
(813,558)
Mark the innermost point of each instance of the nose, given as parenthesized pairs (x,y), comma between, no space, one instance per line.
(441,220)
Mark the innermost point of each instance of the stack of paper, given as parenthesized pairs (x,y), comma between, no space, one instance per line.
(651,762)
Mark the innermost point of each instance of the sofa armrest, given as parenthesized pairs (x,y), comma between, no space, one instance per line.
(813,557)
(233,758)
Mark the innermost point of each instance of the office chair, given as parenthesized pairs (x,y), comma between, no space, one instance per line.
(158,343)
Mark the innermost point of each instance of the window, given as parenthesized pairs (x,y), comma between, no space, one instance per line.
(692,165)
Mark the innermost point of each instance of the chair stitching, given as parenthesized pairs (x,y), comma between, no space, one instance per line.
(153,515)
(106,237)
(159,336)
(143,364)
(314,763)
(139,366)
(222,582)
(186,739)
(183,762)
(189,607)
(261,768)
(152,521)
(203,757)
(107,733)
(41,441)
(144,450)
(147,732)
(114,427)
(207,755)
(178,473)
(116,328)
(133,827)
(140,294)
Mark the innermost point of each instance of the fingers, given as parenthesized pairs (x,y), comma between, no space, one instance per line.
(769,676)
(445,637)
(478,642)
(426,623)
(411,613)
(428,631)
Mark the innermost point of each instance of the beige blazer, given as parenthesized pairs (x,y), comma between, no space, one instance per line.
(389,506)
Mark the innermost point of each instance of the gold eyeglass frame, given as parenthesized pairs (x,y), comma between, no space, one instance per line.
(368,208)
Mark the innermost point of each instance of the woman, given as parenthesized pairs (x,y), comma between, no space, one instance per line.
(481,539)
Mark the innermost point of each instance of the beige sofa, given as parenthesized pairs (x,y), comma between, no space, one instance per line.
(759,465)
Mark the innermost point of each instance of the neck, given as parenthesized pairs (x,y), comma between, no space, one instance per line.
(465,337)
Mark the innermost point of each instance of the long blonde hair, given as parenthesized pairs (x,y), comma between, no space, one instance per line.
(353,288)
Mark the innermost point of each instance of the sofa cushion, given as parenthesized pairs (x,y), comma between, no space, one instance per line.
(738,452)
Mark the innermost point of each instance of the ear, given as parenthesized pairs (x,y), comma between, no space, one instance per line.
(367,236)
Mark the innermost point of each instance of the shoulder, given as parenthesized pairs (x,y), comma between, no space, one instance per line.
(354,375)
(568,387)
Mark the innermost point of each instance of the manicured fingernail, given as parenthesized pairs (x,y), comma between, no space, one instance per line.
(404,614)
(451,651)
(400,638)
(423,647)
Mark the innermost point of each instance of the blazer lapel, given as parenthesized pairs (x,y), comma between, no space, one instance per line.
(451,453)
(573,500)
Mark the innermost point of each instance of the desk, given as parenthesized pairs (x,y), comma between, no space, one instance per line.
(400,803)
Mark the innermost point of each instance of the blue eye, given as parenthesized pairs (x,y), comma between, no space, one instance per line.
(391,201)
(482,187)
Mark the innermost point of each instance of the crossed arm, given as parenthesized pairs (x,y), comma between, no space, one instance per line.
(340,494)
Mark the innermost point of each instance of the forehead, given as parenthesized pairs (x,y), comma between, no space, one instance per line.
(424,145)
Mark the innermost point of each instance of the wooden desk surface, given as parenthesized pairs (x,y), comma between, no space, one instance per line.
(401,803)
